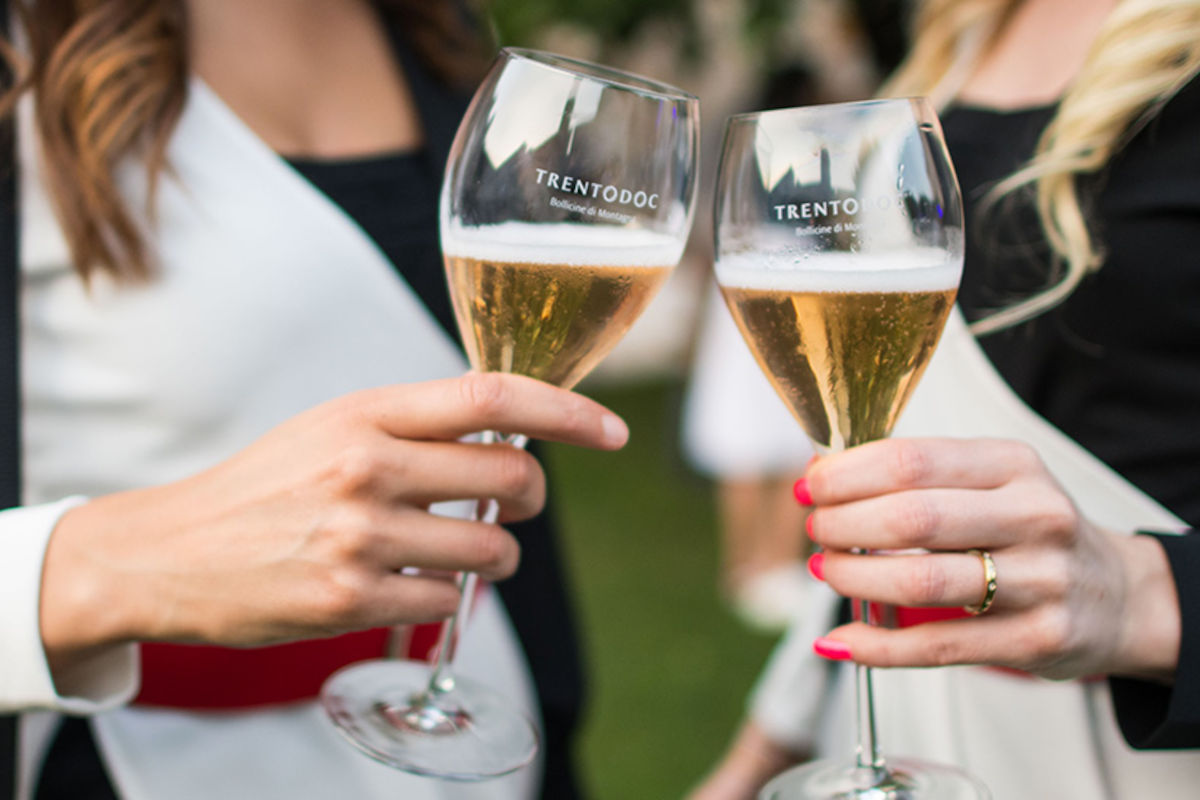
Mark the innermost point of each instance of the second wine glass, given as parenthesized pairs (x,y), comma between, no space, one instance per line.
(839,249)
(568,199)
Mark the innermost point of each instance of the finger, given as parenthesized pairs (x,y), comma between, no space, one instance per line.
(450,409)
(893,465)
(415,538)
(999,639)
(422,472)
(931,519)
(359,599)
(404,599)
(945,580)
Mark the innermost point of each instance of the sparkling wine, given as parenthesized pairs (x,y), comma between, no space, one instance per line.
(546,310)
(844,348)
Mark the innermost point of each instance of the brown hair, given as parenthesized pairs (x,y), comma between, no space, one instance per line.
(109,80)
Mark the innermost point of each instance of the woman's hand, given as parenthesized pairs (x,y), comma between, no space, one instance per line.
(1072,599)
(305,533)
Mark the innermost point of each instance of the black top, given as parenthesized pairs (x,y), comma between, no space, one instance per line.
(393,198)
(1117,365)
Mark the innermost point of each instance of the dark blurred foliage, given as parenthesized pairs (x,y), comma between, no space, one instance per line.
(763,17)
(518,22)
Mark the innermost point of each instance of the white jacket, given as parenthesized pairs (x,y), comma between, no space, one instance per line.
(270,300)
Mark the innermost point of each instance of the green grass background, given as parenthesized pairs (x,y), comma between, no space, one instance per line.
(670,667)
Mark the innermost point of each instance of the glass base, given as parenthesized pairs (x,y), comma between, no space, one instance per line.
(903,780)
(471,733)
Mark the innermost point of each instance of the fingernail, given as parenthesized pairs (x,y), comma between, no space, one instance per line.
(816,566)
(831,649)
(808,526)
(800,490)
(616,432)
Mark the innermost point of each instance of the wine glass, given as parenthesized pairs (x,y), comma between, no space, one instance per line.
(839,248)
(567,201)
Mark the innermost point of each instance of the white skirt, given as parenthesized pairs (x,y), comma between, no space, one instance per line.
(294,752)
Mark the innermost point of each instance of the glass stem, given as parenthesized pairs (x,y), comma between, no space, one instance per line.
(869,756)
(441,682)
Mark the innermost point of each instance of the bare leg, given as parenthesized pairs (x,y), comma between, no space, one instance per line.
(762,547)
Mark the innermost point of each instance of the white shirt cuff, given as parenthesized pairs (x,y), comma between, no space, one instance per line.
(107,679)
(792,695)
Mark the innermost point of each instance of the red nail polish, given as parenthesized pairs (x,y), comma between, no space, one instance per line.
(831,649)
(800,490)
(808,526)
(816,566)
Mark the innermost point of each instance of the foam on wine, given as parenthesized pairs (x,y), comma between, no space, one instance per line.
(907,271)
(592,246)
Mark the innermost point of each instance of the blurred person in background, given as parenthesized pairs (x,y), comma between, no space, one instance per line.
(229,266)
(1073,126)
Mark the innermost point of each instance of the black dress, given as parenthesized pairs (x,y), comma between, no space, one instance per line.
(1117,366)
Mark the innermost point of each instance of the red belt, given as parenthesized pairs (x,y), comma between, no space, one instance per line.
(908,616)
(205,677)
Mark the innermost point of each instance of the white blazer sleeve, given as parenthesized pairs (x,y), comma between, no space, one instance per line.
(103,681)
(791,697)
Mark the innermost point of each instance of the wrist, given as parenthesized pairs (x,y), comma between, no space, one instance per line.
(89,597)
(1148,643)
(757,756)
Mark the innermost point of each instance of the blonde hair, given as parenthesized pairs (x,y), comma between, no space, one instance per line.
(1144,53)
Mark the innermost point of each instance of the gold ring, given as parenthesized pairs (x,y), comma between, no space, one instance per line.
(989,576)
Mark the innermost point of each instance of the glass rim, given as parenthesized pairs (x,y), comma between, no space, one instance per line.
(911,100)
(620,79)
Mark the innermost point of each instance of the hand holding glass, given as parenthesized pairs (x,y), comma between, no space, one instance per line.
(567,200)
(839,249)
